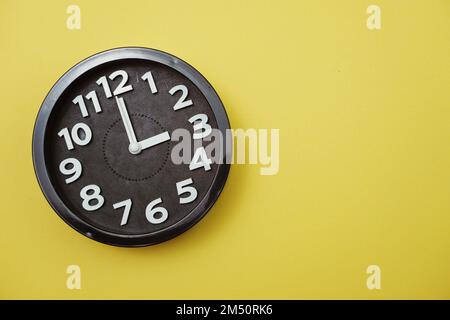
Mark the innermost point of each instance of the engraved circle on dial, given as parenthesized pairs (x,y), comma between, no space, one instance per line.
(106,160)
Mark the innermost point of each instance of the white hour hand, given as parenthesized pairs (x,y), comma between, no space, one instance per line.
(155,140)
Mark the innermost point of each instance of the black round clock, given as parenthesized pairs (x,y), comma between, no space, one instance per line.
(120,146)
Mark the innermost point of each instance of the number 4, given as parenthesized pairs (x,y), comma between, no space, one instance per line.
(200,159)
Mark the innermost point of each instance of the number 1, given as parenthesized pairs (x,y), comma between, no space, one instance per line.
(149,77)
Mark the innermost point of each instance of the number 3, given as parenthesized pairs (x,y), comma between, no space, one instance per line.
(200,122)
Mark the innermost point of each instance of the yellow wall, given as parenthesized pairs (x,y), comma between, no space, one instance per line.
(364,119)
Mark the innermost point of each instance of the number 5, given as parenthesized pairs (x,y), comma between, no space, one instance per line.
(182,187)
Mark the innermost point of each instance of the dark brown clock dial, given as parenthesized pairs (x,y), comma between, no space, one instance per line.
(109,139)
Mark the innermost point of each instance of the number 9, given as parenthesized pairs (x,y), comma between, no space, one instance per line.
(75,170)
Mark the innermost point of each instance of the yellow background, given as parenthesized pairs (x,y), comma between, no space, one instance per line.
(364,119)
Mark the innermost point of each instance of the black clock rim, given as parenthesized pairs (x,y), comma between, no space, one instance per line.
(55,200)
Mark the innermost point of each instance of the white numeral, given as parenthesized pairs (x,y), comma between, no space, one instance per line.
(104,83)
(93,196)
(149,78)
(80,101)
(182,187)
(126,212)
(93,97)
(74,135)
(150,212)
(200,159)
(200,122)
(181,103)
(65,133)
(121,88)
(85,138)
(75,170)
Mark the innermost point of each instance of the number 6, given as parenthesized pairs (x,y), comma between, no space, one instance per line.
(150,212)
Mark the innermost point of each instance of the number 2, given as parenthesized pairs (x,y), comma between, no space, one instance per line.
(181,103)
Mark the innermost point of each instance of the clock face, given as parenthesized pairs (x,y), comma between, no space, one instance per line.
(120,147)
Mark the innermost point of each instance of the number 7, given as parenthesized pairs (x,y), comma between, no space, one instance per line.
(126,212)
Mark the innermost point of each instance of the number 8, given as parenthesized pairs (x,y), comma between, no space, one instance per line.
(94,195)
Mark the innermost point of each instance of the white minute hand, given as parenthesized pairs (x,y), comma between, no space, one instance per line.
(134,147)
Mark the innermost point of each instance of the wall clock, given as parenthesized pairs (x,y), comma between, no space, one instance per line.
(102,147)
